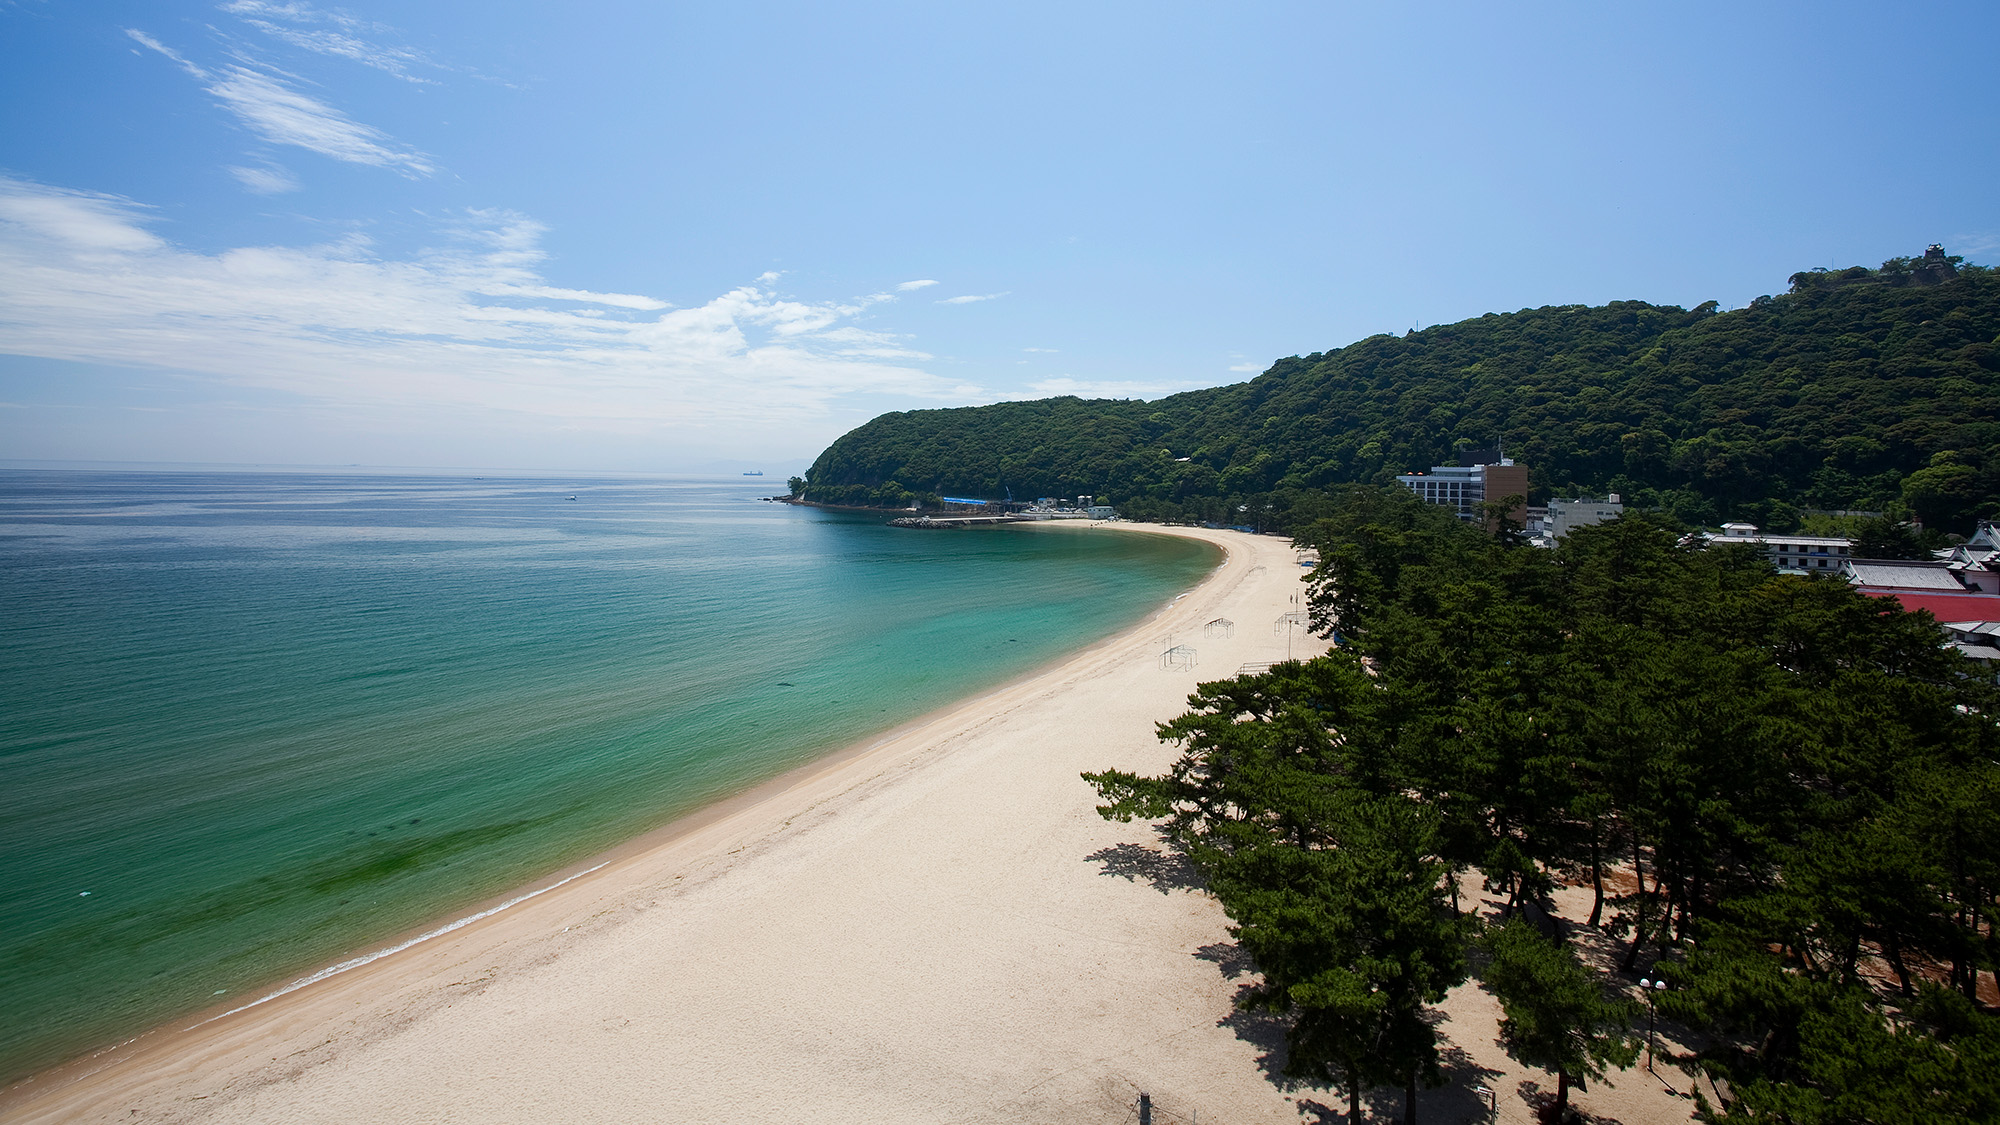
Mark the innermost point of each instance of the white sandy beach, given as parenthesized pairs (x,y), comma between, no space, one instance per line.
(935,928)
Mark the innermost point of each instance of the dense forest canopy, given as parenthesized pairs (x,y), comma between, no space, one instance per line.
(1859,389)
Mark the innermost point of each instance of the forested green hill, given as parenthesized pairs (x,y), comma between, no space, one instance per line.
(1858,389)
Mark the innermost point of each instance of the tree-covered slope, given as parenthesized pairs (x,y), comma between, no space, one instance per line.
(1857,389)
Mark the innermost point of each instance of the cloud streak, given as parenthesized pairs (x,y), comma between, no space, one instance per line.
(907,286)
(280,114)
(970,298)
(267,180)
(343,43)
(473,329)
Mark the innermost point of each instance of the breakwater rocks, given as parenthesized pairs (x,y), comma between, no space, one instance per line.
(953,521)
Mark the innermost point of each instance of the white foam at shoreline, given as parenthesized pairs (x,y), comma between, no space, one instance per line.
(336,970)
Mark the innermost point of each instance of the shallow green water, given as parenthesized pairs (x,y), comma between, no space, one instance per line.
(264,720)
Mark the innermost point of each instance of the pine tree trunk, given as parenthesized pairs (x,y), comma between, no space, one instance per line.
(1960,963)
(1667,910)
(1639,923)
(1410,1101)
(1638,942)
(1562,1095)
(1894,948)
(1596,879)
(1353,1097)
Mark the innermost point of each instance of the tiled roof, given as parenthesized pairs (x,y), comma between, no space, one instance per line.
(1904,575)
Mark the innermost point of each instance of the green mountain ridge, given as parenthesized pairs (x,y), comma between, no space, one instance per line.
(1873,389)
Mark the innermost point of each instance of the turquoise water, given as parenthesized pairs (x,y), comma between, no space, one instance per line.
(267,719)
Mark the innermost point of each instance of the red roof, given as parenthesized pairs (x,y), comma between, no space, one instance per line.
(1945,607)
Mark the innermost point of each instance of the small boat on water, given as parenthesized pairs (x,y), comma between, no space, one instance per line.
(754,473)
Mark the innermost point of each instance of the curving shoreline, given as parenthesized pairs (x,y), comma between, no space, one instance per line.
(981,788)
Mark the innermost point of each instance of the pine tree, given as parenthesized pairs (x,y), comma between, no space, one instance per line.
(1558,1017)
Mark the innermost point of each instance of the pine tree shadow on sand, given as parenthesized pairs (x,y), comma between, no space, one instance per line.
(1261,1029)
(1543,1102)
(1167,870)
(1228,958)
(1457,1101)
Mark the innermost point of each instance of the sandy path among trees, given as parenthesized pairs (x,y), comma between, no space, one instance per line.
(938,928)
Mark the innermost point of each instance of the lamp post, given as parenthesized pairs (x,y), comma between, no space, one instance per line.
(1649,987)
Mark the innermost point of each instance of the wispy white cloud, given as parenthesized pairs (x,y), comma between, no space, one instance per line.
(1248,368)
(281,114)
(291,10)
(266,180)
(473,328)
(78,223)
(909,285)
(1044,351)
(970,298)
(851,341)
(1969,244)
(145,40)
(552,293)
(391,60)
(341,40)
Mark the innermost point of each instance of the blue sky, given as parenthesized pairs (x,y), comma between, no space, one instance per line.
(682,238)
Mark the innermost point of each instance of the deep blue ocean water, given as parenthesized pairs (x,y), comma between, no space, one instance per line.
(266,719)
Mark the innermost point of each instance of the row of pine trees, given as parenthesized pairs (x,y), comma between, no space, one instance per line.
(1781,797)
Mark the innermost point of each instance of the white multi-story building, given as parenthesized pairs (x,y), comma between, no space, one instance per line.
(1449,486)
(1799,554)
(1462,488)
(1566,516)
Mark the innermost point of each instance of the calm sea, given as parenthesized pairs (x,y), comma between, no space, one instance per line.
(252,723)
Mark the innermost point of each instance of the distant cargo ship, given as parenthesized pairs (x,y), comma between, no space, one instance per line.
(754,473)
